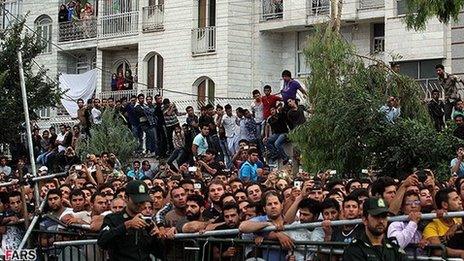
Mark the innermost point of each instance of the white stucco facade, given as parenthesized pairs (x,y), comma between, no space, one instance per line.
(246,52)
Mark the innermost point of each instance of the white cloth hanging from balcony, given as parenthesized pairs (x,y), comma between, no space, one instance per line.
(77,86)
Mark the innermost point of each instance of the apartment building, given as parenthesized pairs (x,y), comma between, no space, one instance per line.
(206,49)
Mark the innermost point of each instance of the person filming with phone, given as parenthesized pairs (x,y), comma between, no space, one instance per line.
(128,235)
(457,166)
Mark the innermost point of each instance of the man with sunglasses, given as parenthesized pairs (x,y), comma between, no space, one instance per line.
(372,244)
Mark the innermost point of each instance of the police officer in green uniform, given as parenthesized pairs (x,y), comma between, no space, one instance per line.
(373,245)
(127,235)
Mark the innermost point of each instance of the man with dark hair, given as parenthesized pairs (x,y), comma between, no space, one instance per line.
(200,142)
(249,170)
(13,232)
(96,111)
(273,208)
(160,133)
(437,110)
(385,188)
(347,233)
(228,121)
(79,214)
(135,172)
(456,164)
(230,214)
(215,191)
(459,130)
(254,192)
(449,83)
(372,243)
(275,135)
(447,230)
(290,87)
(195,205)
(83,115)
(179,201)
(295,114)
(269,101)
(352,185)
(192,120)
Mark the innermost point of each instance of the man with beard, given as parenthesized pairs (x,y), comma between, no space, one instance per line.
(447,231)
(215,190)
(372,244)
(230,214)
(194,222)
(126,235)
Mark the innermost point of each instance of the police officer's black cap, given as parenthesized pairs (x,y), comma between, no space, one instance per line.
(375,207)
(138,191)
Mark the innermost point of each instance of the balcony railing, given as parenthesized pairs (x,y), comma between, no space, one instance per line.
(319,7)
(119,24)
(368,4)
(8,9)
(204,40)
(379,44)
(272,9)
(153,18)
(78,30)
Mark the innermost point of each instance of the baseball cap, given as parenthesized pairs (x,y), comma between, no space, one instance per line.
(138,191)
(375,207)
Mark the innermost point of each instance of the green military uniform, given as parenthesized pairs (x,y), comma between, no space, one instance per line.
(129,244)
(362,249)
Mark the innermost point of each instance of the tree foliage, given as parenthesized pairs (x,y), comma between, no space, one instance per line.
(346,131)
(112,136)
(40,92)
(419,11)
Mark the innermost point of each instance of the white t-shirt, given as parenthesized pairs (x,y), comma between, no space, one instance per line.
(229,124)
(96,116)
(258,110)
(60,137)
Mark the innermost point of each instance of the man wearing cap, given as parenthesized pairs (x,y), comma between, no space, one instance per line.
(372,244)
(126,235)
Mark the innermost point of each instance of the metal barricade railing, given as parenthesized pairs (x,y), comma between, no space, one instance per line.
(212,248)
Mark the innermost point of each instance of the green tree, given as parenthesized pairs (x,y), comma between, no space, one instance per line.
(420,11)
(40,92)
(346,130)
(112,136)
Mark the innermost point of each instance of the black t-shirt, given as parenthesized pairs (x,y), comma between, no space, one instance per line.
(338,235)
(278,124)
(206,119)
(295,117)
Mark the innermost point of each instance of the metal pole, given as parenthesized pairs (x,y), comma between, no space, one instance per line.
(9,183)
(313,225)
(22,82)
(31,226)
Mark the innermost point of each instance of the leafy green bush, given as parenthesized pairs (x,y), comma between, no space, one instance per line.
(347,132)
(112,136)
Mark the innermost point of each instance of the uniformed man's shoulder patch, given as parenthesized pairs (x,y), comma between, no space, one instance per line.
(354,241)
(106,228)
(388,245)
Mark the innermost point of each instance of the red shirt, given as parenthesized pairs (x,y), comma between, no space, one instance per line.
(269,102)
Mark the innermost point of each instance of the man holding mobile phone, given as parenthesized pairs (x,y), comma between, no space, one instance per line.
(457,166)
(125,234)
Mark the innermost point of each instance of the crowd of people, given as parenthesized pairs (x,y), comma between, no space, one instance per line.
(224,170)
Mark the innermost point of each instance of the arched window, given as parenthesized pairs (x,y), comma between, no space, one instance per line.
(43,26)
(122,66)
(205,91)
(155,66)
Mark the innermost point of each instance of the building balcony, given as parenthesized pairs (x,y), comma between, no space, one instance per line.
(78,30)
(370,4)
(204,40)
(153,18)
(121,24)
(272,9)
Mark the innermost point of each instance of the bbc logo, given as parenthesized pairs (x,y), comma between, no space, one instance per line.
(21,255)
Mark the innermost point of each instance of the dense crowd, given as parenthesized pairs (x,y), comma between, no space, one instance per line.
(222,170)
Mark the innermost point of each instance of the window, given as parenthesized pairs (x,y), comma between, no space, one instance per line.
(43,26)
(423,69)
(13,8)
(302,67)
(205,91)
(155,72)
(401,7)
(122,67)
(378,40)
(206,13)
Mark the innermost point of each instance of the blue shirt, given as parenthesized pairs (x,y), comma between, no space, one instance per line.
(131,117)
(201,143)
(135,175)
(461,167)
(290,89)
(391,113)
(248,172)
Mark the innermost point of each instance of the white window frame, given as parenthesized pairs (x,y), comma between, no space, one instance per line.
(43,26)
(155,57)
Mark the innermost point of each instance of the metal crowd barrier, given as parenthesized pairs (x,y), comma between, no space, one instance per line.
(234,249)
